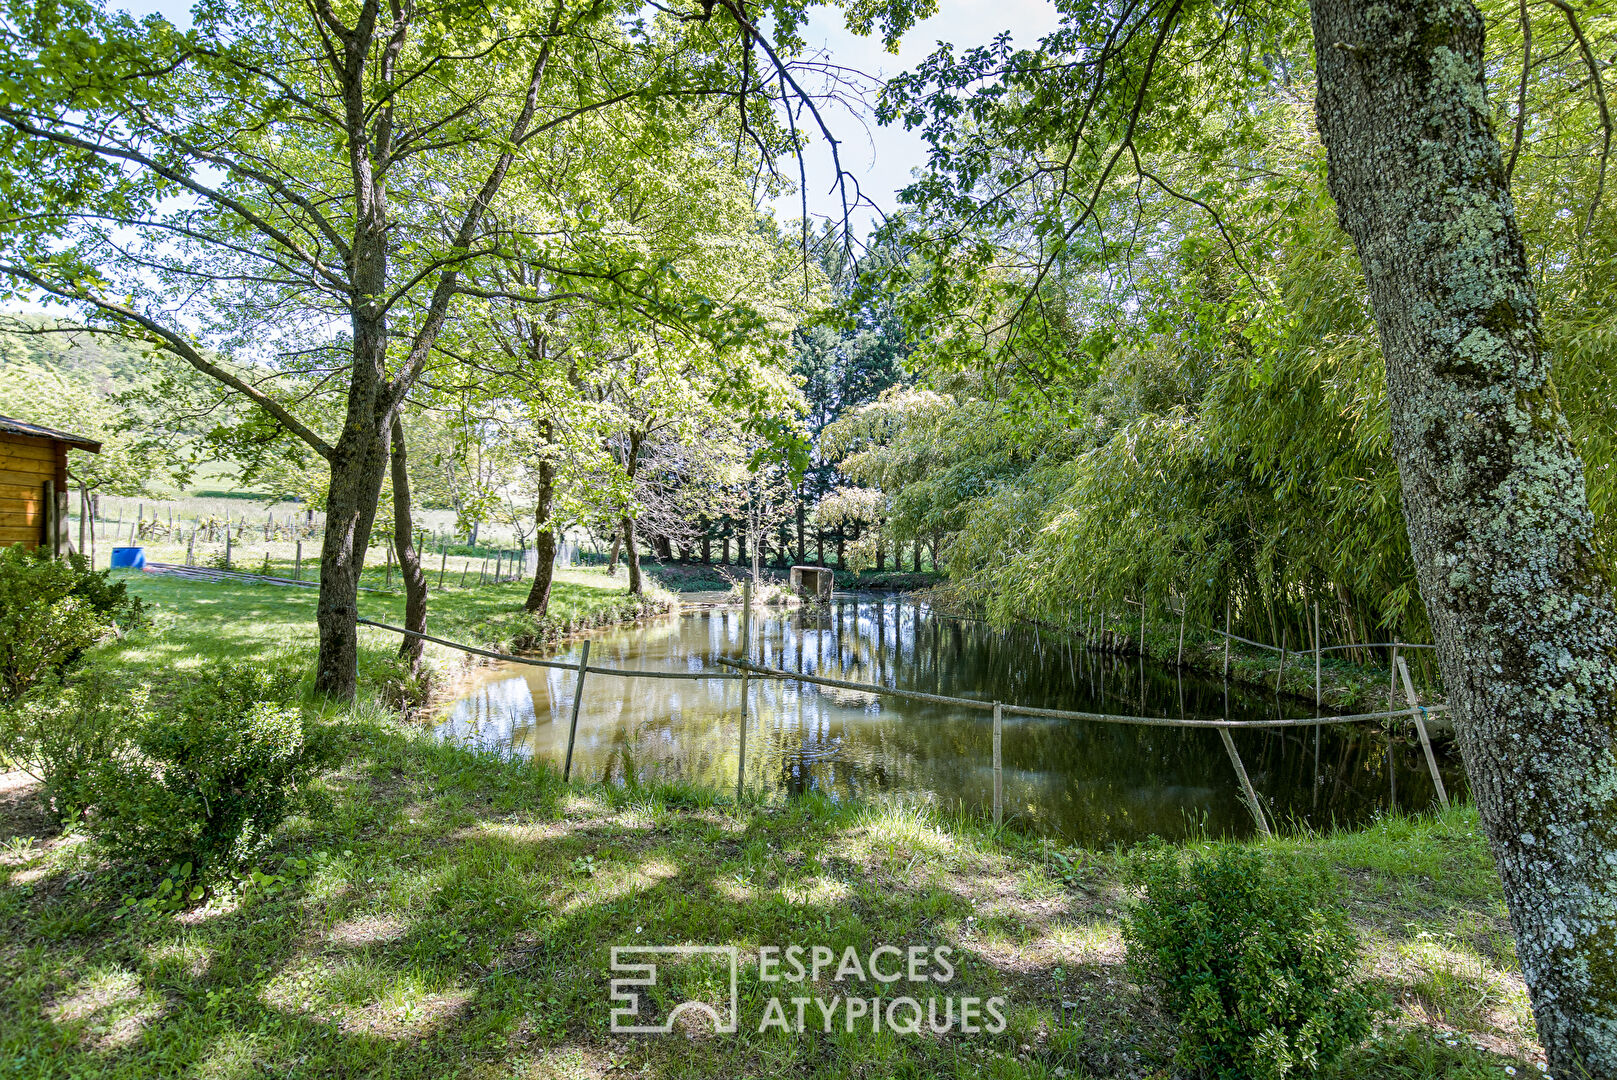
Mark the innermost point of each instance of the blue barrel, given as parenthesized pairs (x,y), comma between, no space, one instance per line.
(128,558)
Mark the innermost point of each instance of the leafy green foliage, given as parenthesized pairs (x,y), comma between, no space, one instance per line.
(1253,959)
(207,781)
(51,610)
(61,737)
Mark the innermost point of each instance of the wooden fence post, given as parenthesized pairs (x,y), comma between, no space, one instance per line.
(1392,690)
(999,782)
(578,698)
(443,562)
(746,683)
(191,547)
(1425,739)
(1251,795)
(227,548)
(297,562)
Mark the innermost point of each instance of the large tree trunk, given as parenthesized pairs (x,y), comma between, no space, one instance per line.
(359,461)
(631,555)
(1493,492)
(544,538)
(415,580)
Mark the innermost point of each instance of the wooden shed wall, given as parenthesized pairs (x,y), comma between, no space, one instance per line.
(25,465)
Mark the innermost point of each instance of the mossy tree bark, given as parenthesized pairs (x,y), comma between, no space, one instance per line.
(1493,491)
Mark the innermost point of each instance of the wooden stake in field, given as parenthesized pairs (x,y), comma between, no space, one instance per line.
(443,562)
(1425,739)
(498,555)
(297,562)
(227,549)
(465,565)
(578,698)
(387,555)
(746,654)
(190,548)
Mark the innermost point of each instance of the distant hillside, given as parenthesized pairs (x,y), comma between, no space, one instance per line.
(106,364)
(70,379)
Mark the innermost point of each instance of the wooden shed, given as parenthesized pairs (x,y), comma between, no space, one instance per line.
(33,483)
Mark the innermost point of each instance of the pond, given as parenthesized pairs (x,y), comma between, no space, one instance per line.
(1086,782)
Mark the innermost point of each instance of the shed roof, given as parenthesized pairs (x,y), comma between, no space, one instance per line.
(10,426)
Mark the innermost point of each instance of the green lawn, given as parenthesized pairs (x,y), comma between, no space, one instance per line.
(199,624)
(448,913)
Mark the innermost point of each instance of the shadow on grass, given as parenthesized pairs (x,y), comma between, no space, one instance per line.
(460,913)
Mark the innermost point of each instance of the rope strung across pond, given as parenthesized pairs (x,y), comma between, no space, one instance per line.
(563,664)
(998,709)
(1067,714)
(911,695)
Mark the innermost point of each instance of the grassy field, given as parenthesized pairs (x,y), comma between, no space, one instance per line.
(439,912)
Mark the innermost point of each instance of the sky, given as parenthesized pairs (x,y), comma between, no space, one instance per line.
(881,158)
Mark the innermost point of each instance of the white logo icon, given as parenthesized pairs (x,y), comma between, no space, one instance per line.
(645,974)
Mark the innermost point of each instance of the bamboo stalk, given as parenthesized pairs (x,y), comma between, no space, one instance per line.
(1226,639)
(1281,670)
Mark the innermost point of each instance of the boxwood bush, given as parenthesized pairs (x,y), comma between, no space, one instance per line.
(1253,958)
(51,611)
(207,779)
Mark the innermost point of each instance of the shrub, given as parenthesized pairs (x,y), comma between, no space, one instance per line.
(60,737)
(206,781)
(1253,959)
(51,610)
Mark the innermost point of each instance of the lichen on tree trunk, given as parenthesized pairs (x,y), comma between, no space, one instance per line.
(1493,491)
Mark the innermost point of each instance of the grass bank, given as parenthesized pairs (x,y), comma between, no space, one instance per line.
(438,912)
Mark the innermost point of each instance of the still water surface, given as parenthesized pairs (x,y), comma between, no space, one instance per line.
(1086,782)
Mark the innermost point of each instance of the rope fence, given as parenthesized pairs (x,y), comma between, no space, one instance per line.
(747,669)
